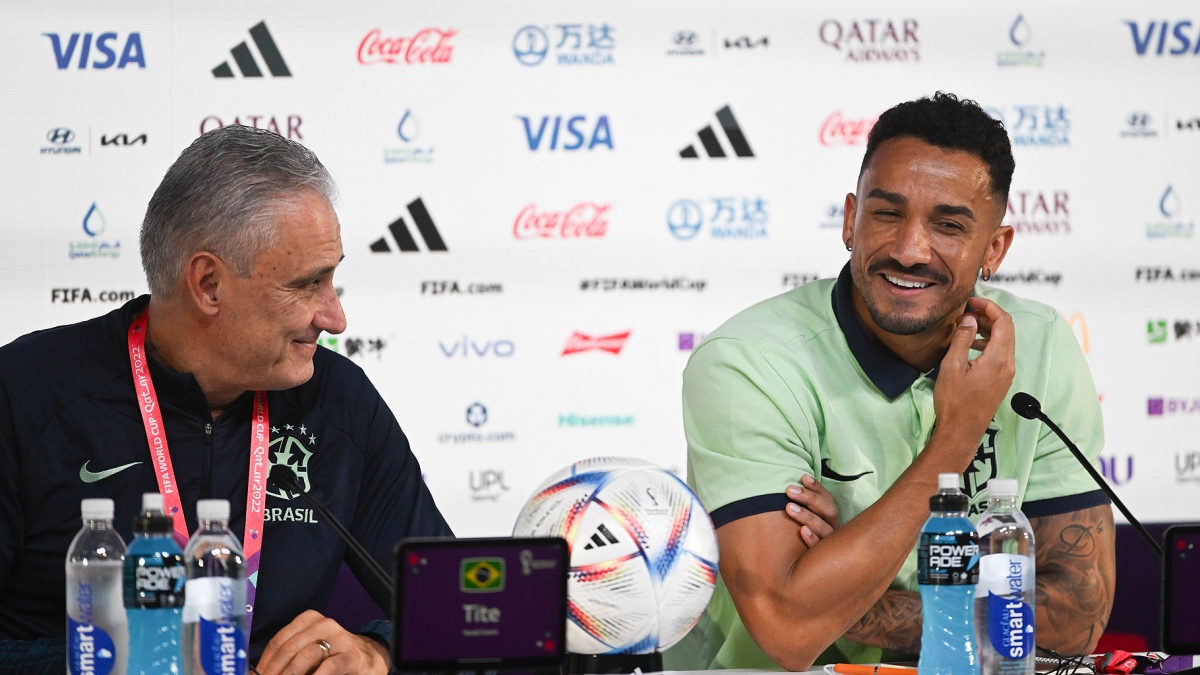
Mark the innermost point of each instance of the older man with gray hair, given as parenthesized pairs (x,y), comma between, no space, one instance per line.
(239,244)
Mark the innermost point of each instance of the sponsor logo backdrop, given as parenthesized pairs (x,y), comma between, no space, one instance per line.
(545,206)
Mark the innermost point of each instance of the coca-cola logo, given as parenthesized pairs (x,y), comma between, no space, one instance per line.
(429,45)
(838,130)
(579,342)
(585,219)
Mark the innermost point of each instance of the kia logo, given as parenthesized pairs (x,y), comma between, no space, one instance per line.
(60,135)
(685,37)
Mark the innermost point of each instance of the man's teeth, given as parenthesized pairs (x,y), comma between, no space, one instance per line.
(906,284)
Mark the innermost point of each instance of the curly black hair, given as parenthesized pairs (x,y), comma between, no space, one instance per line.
(948,122)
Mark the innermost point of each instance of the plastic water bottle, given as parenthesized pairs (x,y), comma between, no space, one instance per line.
(154,580)
(97,635)
(1004,604)
(947,570)
(214,611)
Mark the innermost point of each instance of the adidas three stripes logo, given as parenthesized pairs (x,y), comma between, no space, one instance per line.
(245,61)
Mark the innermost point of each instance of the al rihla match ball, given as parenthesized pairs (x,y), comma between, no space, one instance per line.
(643,553)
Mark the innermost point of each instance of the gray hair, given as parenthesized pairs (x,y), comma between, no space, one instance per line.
(221,196)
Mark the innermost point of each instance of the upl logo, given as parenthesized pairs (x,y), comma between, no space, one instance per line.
(97,51)
(1165,38)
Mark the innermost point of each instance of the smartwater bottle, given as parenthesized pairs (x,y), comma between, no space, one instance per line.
(214,610)
(97,635)
(1004,604)
(154,582)
(947,570)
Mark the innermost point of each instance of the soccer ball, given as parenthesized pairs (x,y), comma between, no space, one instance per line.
(643,553)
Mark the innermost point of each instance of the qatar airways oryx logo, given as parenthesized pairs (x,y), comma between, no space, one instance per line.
(838,130)
(428,45)
(581,342)
(583,220)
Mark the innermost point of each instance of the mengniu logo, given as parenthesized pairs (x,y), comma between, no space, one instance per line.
(840,131)
(1115,471)
(290,128)
(1020,35)
(404,239)
(268,52)
(1160,331)
(94,225)
(581,342)
(1165,38)
(578,44)
(1170,226)
(482,575)
(1035,125)
(574,130)
(872,40)
(583,220)
(99,54)
(428,45)
(1039,212)
(408,130)
(712,146)
(729,218)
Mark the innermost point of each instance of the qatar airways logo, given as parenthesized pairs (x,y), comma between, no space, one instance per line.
(579,342)
(839,130)
(429,45)
(873,40)
(585,219)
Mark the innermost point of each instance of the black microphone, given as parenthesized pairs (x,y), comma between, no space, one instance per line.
(1028,407)
(286,479)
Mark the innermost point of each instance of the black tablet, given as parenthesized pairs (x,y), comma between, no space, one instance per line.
(1181,590)
(479,604)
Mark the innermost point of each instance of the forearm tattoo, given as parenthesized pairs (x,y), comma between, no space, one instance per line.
(1076,578)
(894,622)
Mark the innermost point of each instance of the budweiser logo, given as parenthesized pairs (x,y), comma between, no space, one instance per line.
(430,45)
(585,219)
(578,342)
(838,130)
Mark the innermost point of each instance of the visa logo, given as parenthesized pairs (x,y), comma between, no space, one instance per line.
(1184,37)
(572,131)
(105,56)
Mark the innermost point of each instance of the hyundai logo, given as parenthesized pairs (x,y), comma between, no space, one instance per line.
(60,135)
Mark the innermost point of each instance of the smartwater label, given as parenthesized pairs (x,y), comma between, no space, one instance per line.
(948,559)
(222,648)
(214,598)
(1006,578)
(89,649)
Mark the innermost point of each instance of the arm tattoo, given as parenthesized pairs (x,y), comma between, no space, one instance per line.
(1076,577)
(894,622)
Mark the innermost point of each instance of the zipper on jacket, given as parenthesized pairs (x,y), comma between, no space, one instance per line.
(206,476)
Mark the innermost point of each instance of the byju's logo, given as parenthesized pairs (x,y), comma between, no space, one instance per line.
(411,152)
(1039,212)
(1036,125)
(289,129)
(105,55)
(712,146)
(575,135)
(1139,124)
(531,44)
(1166,38)
(1159,406)
(686,43)
(840,131)
(429,45)
(873,40)
(470,348)
(1171,225)
(580,342)
(404,239)
(585,219)
(1020,35)
(686,218)
(245,61)
(688,341)
(61,142)
(1158,333)
(94,225)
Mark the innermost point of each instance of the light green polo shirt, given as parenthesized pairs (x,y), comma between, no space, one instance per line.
(794,386)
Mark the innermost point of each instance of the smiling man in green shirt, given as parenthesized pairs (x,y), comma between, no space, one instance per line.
(874,383)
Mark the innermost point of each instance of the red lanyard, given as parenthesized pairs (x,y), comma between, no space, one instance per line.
(160,456)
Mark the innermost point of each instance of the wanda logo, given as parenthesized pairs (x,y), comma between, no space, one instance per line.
(429,45)
(838,130)
(578,342)
(585,219)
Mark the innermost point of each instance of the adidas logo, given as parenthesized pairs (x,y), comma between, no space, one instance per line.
(245,58)
(404,239)
(708,138)
(597,542)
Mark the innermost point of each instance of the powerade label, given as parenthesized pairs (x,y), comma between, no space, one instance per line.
(89,649)
(222,648)
(153,582)
(948,558)
(1010,626)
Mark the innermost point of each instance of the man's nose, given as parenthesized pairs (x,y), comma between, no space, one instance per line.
(330,317)
(912,245)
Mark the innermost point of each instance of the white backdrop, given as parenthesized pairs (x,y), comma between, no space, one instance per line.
(445,101)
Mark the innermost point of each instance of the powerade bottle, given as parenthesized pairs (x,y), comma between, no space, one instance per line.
(1004,604)
(97,635)
(947,570)
(214,611)
(154,580)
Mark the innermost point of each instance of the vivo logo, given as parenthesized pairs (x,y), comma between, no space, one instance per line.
(468,348)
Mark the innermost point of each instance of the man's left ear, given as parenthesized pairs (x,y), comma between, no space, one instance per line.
(997,248)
